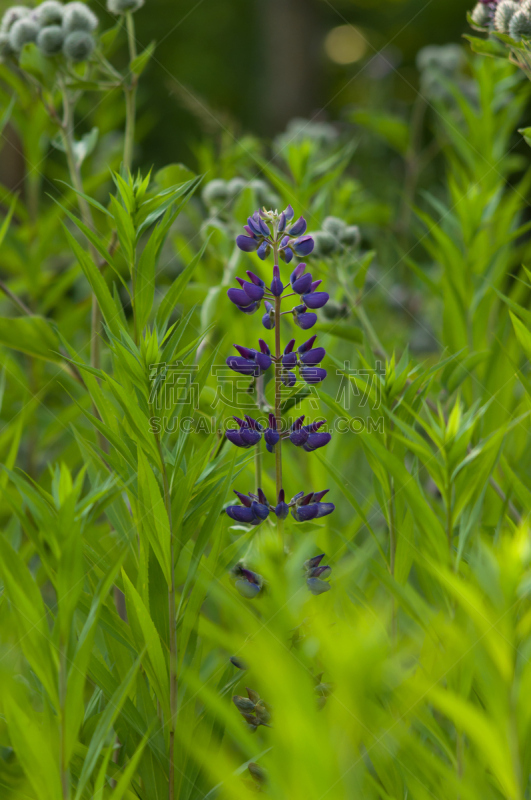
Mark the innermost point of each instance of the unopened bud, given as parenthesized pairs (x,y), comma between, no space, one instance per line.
(243,703)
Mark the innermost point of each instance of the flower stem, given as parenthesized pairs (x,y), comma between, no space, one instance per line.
(130,98)
(67,135)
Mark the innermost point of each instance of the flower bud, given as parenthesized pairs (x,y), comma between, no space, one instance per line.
(317,586)
(243,703)
(257,772)
(235,186)
(12,15)
(504,13)
(520,26)
(334,226)
(50,40)
(50,13)
(246,589)
(262,713)
(78,17)
(215,191)
(123,6)
(78,46)
(23,31)
(481,15)
(351,236)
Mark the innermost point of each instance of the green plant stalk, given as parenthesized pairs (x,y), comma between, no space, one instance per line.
(130,97)
(172,609)
(65,776)
(67,135)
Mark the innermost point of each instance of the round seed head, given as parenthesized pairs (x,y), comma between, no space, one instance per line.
(504,14)
(78,17)
(334,225)
(50,40)
(23,31)
(5,47)
(214,192)
(235,186)
(12,15)
(481,15)
(78,46)
(520,26)
(351,236)
(50,13)
(325,243)
(122,6)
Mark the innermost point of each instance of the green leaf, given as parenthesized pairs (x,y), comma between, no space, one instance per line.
(104,726)
(138,64)
(32,335)
(148,639)
(97,284)
(487,47)
(175,291)
(152,515)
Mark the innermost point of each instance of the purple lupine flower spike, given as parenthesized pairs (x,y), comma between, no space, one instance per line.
(271,434)
(276,284)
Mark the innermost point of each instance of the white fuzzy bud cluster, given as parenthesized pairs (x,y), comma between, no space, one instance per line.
(56,29)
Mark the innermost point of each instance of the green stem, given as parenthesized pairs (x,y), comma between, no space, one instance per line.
(172,608)
(65,777)
(130,98)
(67,134)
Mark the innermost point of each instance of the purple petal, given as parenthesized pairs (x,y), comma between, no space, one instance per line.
(263,251)
(315,441)
(239,297)
(254,292)
(303,284)
(312,374)
(243,365)
(286,254)
(316,299)
(254,278)
(246,243)
(299,438)
(250,437)
(271,437)
(282,222)
(303,246)
(325,509)
(314,562)
(240,513)
(263,361)
(305,513)
(316,586)
(307,345)
(282,510)
(289,212)
(312,357)
(243,498)
(250,309)
(304,319)
(318,496)
(298,228)
(276,284)
(288,378)
(260,510)
(235,438)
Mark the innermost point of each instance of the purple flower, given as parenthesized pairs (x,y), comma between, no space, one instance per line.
(271,434)
(298,228)
(289,359)
(316,438)
(248,583)
(298,434)
(303,246)
(307,507)
(240,297)
(248,434)
(288,378)
(315,299)
(312,374)
(268,320)
(254,510)
(301,281)
(303,318)
(247,243)
(251,362)
(282,508)
(263,251)
(277,286)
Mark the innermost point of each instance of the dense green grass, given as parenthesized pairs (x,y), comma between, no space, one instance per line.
(119,612)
